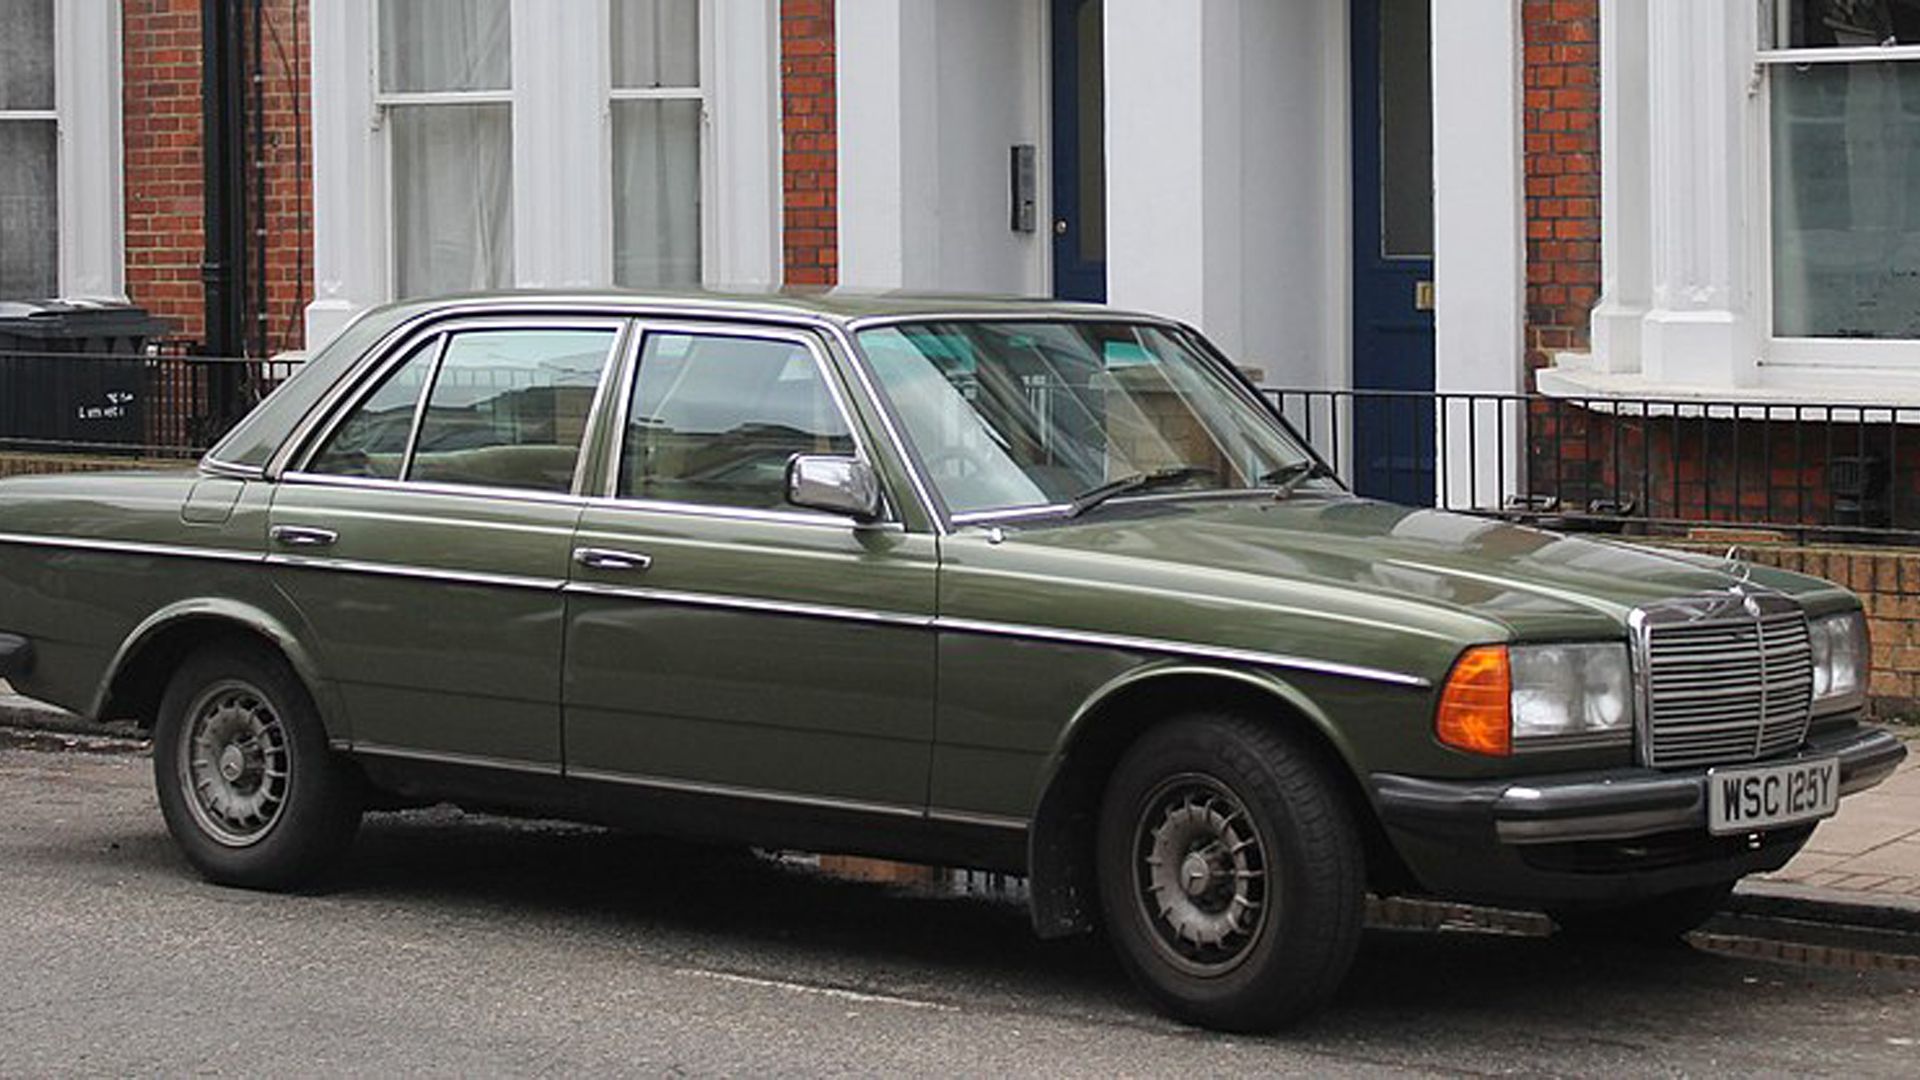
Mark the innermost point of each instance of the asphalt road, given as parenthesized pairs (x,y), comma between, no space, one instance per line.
(454,945)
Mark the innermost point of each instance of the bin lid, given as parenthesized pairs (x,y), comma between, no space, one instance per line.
(78,318)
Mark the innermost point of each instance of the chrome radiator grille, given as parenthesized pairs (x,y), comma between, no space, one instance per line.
(1727,679)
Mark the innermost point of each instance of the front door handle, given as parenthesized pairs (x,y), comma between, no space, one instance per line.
(609,559)
(303,536)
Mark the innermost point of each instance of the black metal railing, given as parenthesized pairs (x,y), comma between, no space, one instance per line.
(1648,466)
(165,402)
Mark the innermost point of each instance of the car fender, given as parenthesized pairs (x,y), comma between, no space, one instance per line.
(236,613)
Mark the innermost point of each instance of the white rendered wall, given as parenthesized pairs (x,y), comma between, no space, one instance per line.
(1227,172)
(932,96)
(86,87)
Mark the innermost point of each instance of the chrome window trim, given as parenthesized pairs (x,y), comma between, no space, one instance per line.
(441,345)
(417,573)
(230,470)
(731,791)
(622,428)
(317,428)
(813,518)
(415,487)
(131,547)
(1041,314)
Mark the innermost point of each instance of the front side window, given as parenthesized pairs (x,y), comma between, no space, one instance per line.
(29,219)
(715,419)
(1026,414)
(505,409)
(658,110)
(1844,87)
(445,91)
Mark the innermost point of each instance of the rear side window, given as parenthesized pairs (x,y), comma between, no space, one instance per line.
(504,408)
(715,419)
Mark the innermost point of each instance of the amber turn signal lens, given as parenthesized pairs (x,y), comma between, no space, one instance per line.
(1474,708)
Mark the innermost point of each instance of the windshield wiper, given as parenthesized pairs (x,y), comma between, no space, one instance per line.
(1290,476)
(1141,481)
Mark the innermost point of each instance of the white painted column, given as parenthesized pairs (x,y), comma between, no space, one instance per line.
(1173,162)
(1626,260)
(562,161)
(86,80)
(1701,326)
(744,134)
(1479,234)
(889,183)
(349,196)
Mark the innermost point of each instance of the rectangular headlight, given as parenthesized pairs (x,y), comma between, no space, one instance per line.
(1840,658)
(1564,693)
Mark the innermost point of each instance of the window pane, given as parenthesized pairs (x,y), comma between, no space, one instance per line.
(29,223)
(509,408)
(656,192)
(452,197)
(445,45)
(1406,129)
(26,54)
(1846,200)
(373,441)
(715,420)
(656,43)
(1842,24)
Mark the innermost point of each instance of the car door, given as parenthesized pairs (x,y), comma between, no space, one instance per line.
(426,538)
(719,639)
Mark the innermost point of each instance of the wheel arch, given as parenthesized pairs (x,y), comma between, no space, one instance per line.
(138,676)
(1061,837)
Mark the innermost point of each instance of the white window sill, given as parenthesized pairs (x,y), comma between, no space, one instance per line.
(1784,393)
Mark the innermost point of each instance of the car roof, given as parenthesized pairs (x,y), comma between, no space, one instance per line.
(839,305)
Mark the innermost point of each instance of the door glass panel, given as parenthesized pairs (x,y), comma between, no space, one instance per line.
(1406,129)
(509,408)
(373,441)
(715,419)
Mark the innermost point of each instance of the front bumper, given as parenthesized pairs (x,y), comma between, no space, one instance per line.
(16,656)
(1596,836)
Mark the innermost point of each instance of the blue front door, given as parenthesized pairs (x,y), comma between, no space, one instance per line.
(1079,151)
(1393,249)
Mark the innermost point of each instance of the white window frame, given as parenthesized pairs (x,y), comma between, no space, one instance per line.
(1857,354)
(385,101)
(89,216)
(709,189)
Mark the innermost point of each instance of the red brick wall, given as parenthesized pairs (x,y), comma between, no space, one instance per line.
(808,143)
(164,166)
(1562,84)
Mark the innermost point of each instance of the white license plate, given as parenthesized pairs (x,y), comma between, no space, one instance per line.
(1743,800)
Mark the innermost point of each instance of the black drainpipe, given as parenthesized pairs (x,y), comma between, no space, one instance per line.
(223,142)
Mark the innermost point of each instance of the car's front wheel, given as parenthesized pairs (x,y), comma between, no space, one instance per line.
(1231,872)
(247,784)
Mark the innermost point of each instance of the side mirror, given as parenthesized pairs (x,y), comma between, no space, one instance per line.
(834,483)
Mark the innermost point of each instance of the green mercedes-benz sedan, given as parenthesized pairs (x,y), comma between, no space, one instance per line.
(1023,586)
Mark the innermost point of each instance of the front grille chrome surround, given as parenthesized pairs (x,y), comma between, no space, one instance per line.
(1721,679)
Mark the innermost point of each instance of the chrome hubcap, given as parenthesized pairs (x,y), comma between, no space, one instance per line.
(1202,874)
(234,763)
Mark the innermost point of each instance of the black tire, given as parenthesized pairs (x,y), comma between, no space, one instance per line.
(283,807)
(1212,789)
(1658,920)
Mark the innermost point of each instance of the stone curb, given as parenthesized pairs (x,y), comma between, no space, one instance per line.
(31,715)
(1839,907)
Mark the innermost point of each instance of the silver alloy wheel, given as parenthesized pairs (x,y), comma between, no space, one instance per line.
(1201,874)
(235,763)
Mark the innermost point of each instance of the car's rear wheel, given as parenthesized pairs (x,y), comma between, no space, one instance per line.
(1658,920)
(247,784)
(1231,872)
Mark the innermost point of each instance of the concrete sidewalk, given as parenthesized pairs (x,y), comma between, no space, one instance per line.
(1863,864)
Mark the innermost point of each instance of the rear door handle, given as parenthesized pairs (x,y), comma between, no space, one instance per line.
(303,536)
(610,559)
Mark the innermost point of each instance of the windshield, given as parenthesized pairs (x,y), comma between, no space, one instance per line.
(1023,414)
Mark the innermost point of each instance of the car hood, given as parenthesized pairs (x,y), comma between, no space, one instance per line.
(1533,582)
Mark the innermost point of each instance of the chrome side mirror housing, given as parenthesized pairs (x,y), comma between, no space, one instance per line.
(835,483)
